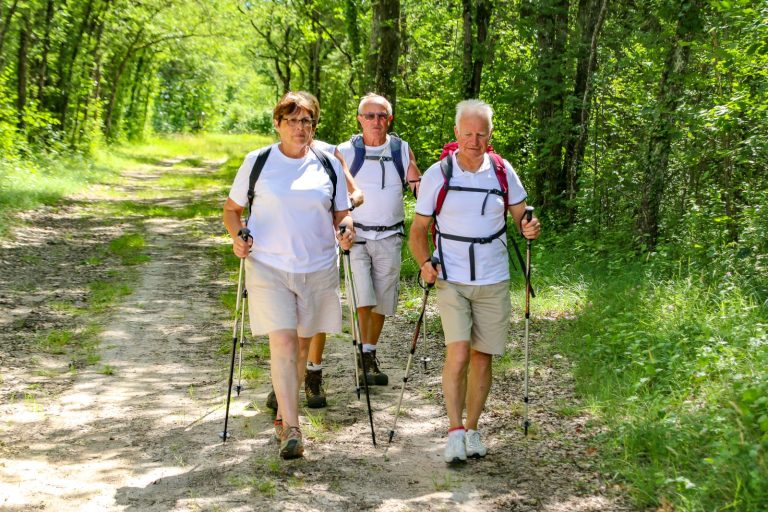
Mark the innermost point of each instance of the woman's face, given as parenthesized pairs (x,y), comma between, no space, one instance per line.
(295,128)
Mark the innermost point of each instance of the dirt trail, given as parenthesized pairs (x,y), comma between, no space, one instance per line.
(143,436)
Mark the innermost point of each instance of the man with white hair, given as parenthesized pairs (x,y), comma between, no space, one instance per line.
(467,195)
(383,167)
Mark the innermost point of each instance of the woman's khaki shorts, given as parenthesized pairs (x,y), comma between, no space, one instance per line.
(475,313)
(376,270)
(309,303)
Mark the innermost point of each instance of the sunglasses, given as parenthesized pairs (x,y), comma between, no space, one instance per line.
(370,116)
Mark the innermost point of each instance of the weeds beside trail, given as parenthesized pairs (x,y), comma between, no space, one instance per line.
(116,315)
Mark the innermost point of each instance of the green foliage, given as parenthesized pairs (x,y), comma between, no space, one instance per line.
(673,357)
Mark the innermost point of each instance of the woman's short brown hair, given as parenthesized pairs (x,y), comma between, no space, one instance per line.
(295,100)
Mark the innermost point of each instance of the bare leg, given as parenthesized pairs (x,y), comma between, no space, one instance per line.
(478,385)
(288,354)
(370,324)
(316,348)
(455,381)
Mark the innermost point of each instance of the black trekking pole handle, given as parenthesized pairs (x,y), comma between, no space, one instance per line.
(244,234)
(342,230)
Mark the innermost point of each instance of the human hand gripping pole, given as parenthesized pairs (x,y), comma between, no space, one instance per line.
(244,235)
(355,331)
(528,216)
(426,287)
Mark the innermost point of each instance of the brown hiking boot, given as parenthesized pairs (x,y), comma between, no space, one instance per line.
(291,444)
(272,400)
(374,375)
(313,389)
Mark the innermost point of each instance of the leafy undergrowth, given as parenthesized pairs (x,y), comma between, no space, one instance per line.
(671,359)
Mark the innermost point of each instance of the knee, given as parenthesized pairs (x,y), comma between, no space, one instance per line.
(456,361)
(480,361)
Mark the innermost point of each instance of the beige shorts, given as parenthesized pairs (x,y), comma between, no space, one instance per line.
(475,313)
(376,270)
(308,302)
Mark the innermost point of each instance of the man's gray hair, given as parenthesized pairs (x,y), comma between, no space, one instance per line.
(376,98)
(475,107)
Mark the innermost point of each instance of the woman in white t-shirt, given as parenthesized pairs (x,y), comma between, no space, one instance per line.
(298,203)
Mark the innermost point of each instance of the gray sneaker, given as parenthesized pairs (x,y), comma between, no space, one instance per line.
(475,447)
(455,451)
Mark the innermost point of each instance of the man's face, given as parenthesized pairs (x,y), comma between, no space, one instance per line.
(295,128)
(472,134)
(374,120)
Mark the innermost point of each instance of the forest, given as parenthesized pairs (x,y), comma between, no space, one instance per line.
(639,128)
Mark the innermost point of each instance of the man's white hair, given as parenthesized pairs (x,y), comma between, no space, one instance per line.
(374,98)
(477,108)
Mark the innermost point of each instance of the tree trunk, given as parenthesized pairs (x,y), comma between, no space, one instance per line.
(4,27)
(590,21)
(477,19)
(22,71)
(550,182)
(67,65)
(42,68)
(384,53)
(656,161)
(315,55)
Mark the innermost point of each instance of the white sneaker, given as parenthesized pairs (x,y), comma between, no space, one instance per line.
(455,450)
(475,447)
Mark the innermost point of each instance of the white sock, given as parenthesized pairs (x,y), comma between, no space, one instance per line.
(314,367)
(367,347)
(459,432)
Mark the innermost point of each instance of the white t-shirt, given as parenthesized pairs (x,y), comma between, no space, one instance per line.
(291,219)
(382,206)
(461,216)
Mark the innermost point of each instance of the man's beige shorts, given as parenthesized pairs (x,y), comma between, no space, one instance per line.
(376,269)
(475,313)
(309,303)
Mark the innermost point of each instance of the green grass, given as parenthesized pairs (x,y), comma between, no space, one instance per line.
(129,248)
(671,362)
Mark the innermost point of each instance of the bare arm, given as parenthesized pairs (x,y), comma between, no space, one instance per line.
(343,217)
(412,174)
(418,242)
(233,214)
(355,194)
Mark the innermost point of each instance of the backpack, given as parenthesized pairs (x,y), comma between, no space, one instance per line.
(261,159)
(499,169)
(395,147)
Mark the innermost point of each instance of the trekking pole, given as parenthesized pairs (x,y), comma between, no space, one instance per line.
(352,300)
(528,215)
(352,326)
(426,287)
(239,387)
(245,234)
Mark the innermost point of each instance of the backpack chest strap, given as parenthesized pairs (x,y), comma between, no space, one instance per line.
(471,241)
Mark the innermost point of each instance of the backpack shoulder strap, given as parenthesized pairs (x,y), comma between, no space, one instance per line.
(258,165)
(326,163)
(359,158)
(446,168)
(501,174)
(396,148)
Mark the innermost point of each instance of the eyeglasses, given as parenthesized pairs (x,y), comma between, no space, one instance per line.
(305,122)
(370,116)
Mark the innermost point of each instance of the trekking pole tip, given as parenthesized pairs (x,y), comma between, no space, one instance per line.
(224,435)
(391,435)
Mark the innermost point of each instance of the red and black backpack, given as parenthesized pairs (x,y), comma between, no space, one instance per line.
(446,168)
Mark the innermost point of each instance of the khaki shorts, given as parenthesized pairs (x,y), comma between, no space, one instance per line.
(475,313)
(376,270)
(307,302)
